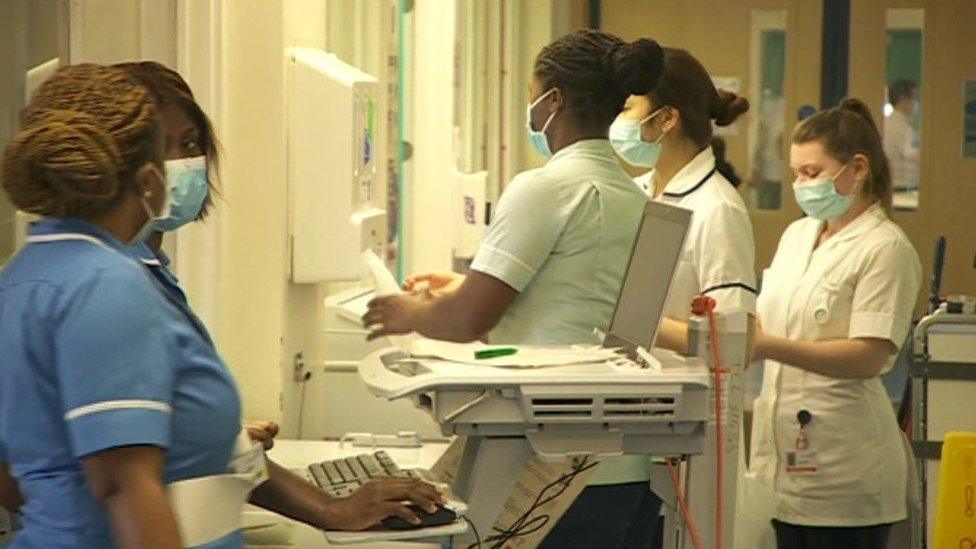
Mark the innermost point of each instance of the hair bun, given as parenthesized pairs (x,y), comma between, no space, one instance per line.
(637,66)
(61,160)
(858,107)
(727,107)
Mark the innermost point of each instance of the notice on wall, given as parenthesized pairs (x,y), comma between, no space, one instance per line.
(969,118)
(732,84)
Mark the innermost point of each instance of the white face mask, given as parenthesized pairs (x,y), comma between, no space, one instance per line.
(625,136)
(819,198)
(538,138)
(151,217)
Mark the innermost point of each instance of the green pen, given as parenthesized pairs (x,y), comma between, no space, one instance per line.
(494,353)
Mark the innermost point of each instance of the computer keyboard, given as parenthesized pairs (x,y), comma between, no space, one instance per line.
(341,477)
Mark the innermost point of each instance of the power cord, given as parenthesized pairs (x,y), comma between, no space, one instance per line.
(683,505)
(527,524)
(477,536)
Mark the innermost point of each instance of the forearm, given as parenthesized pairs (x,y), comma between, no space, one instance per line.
(288,494)
(672,334)
(142,518)
(839,358)
(448,318)
(10,496)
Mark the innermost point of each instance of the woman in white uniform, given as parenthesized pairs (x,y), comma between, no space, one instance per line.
(670,130)
(550,268)
(835,307)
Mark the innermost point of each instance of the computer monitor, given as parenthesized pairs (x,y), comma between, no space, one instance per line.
(647,280)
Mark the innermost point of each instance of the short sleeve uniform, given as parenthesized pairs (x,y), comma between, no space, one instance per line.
(562,237)
(862,282)
(97,357)
(718,258)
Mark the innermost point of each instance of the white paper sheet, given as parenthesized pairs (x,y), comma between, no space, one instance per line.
(528,356)
(386,284)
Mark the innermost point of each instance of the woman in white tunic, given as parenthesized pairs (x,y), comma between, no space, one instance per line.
(670,130)
(550,268)
(835,307)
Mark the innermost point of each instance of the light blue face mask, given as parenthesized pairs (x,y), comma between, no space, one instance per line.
(819,199)
(152,218)
(538,137)
(187,179)
(625,136)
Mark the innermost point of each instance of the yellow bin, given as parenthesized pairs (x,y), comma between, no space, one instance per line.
(955,515)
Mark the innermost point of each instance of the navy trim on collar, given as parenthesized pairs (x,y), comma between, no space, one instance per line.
(693,189)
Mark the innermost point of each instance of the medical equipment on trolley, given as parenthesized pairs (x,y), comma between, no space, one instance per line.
(644,401)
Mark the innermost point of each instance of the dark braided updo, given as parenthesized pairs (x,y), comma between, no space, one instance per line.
(83,136)
(597,71)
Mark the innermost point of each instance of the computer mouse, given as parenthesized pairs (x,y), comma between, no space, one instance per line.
(441,517)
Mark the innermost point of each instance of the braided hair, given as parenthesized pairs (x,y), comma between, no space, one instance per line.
(597,71)
(82,137)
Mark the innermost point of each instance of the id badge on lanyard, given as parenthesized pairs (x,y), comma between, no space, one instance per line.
(802,459)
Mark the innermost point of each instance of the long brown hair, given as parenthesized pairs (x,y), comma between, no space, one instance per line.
(686,86)
(169,88)
(846,130)
(83,135)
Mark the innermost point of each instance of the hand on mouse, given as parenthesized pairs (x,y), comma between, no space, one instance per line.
(380,499)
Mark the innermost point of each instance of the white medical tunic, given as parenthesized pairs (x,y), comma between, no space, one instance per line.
(719,255)
(860,283)
(562,237)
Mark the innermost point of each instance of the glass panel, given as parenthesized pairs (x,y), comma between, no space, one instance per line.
(767,74)
(902,108)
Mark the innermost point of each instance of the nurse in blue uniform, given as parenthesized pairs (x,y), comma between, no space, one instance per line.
(109,388)
(191,158)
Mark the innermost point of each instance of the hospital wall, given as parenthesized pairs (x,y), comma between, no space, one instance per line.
(947,196)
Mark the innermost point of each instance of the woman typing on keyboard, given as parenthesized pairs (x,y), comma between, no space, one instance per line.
(116,405)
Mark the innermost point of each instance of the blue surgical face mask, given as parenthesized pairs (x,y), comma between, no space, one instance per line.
(538,137)
(625,136)
(153,217)
(819,199)
(187,180)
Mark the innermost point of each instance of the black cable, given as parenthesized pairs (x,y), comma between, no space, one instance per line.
(477,536)
(527,524)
